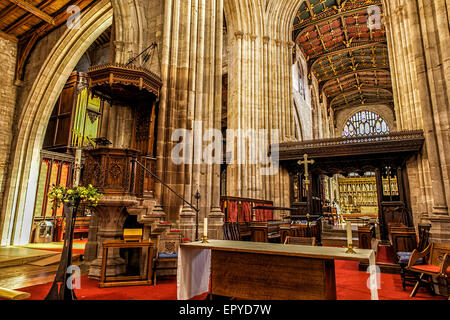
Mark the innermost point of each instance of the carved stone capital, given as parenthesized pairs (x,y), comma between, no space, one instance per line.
(239,35)
(266,39)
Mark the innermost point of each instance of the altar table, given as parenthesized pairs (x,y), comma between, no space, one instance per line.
(264,271)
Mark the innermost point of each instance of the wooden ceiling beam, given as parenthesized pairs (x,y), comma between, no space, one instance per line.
(32,9)
(8,37)
(25,18)
(331,78)
(34,34)
(5,12)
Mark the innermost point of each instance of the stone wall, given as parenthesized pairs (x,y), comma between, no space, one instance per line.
(8,91)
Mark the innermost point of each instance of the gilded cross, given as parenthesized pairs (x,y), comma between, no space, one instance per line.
(306,162)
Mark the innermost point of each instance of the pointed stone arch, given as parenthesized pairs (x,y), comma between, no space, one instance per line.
(18,201)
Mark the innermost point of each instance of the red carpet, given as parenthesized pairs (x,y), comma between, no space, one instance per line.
(385,254)
(350,283)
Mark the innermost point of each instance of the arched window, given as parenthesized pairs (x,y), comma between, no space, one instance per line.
(365,123)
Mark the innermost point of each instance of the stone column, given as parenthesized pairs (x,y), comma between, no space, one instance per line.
(418,34)
(216,217)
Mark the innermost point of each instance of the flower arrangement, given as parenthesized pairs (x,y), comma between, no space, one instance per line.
(74,196)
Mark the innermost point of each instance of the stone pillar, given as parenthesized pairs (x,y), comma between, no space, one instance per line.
(110,214)
(418,34)
(191,69)
(8,92)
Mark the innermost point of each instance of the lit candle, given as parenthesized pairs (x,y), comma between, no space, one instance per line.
(349,233)
(205,227)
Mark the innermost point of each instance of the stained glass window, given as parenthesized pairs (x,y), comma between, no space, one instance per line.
(365,123)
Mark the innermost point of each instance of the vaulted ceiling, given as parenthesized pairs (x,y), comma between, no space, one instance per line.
(28,21)
(349,60)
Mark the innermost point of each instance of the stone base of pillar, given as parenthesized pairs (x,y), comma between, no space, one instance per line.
(440,228)
(215,224)
(158,210)
(187,223)
(114,266)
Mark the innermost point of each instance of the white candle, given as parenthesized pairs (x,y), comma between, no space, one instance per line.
(349,233)
(78,154)
(205,227)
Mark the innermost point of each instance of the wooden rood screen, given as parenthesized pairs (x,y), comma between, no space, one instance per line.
(240,209)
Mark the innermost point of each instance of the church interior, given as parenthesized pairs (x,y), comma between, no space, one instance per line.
(224,149)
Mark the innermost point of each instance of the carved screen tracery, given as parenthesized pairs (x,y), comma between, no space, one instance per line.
(365,123)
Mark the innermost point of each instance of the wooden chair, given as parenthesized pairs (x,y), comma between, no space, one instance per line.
(311,241)
(438,266)
(166,252)
(403,257)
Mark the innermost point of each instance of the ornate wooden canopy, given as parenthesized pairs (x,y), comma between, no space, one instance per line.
(121,83)
(360,154)
(348,58)
(27,21)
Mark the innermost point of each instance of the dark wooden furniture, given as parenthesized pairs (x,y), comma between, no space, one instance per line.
(121,281)
(114,172)
(403,239)
(167,253)
(300,241)
(385,155)
(411,278)
(269,271)
(438,266)
(366,236)
(301,231)
(266,231)
(82,226)
(123,83)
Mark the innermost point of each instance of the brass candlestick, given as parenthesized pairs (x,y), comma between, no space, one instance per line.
(204,239)
(350,249)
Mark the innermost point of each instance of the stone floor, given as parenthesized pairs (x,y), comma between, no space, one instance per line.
(13,255)
(17,272)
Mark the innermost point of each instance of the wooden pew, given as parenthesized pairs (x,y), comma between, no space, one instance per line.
(236,231)
(365,236)
(266,231)
(402,238)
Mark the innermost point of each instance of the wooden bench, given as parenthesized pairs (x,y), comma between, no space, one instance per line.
(236,231)
(402,238)
(266,231)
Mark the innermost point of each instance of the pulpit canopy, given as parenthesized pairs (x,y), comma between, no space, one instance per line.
(123,83)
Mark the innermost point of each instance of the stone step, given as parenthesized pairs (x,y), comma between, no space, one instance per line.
(15,256)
